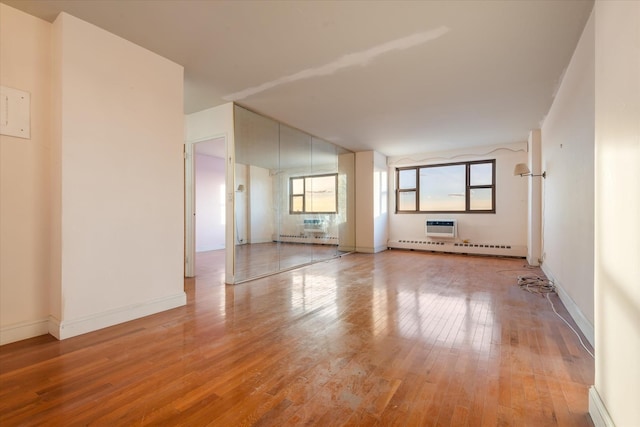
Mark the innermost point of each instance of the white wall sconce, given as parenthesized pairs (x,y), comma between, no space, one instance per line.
(523,170)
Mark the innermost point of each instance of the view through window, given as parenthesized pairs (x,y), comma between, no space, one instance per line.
(452,187)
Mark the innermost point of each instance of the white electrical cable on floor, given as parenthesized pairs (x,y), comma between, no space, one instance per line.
(570,327)
(541,285)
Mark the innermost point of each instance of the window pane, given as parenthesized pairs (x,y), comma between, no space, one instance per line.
(296,204)
(480,199)
(320,192)
(407,179)
(297,186)
(481,174)
(407,201)
(443,188)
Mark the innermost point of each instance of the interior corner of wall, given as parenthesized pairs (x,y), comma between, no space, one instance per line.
(54,327)
(381,248)
(380,160)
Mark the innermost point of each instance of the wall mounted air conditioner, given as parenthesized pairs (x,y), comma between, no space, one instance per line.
(314,226)
(441,228)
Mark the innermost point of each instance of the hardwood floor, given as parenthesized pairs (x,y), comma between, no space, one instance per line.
(260,259)
(398,338)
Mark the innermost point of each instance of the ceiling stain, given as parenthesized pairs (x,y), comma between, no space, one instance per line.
(361,58)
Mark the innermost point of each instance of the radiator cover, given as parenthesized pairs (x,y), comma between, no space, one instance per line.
(517,251)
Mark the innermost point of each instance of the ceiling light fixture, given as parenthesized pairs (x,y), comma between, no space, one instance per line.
(523,170)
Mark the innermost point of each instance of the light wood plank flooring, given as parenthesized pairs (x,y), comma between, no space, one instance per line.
(259,259)
(393,339)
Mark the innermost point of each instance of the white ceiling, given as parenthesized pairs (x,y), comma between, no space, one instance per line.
(393,76)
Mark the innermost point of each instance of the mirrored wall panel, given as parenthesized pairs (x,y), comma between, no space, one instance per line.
(293,197)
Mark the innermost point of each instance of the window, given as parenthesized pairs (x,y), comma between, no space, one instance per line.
(455,187)
(313,194)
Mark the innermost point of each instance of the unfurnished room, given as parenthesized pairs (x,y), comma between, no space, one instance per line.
(331,213)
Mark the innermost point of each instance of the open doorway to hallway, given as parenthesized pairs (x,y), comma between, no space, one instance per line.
(205,179)
(209,195)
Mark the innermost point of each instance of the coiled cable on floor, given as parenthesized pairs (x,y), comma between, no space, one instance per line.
(536,284)
(543,286)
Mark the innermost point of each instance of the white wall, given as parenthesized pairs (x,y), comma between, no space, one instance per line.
(210,123)
(120,141)
(507,226)
(210,203)
(371,222)
(93,215)
(617,201)
(25,222)
(568,158)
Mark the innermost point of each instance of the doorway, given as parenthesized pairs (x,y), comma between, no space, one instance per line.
(205,195)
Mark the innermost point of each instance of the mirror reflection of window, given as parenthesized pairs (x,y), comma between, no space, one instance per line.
(314,194)
(297,210)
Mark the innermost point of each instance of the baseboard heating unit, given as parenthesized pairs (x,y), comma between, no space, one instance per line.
(460,248)
(306,238)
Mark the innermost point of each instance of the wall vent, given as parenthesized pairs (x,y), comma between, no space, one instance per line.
(440,228)
(314,225)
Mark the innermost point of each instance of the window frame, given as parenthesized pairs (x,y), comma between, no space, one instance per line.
(304,191)
(468,188)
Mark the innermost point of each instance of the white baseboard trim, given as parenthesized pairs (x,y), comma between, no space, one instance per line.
(598,412)
(370,250)
(71,328)
(23,330)
(574,311)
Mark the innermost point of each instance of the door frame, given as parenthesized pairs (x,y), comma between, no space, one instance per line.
(190,200)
